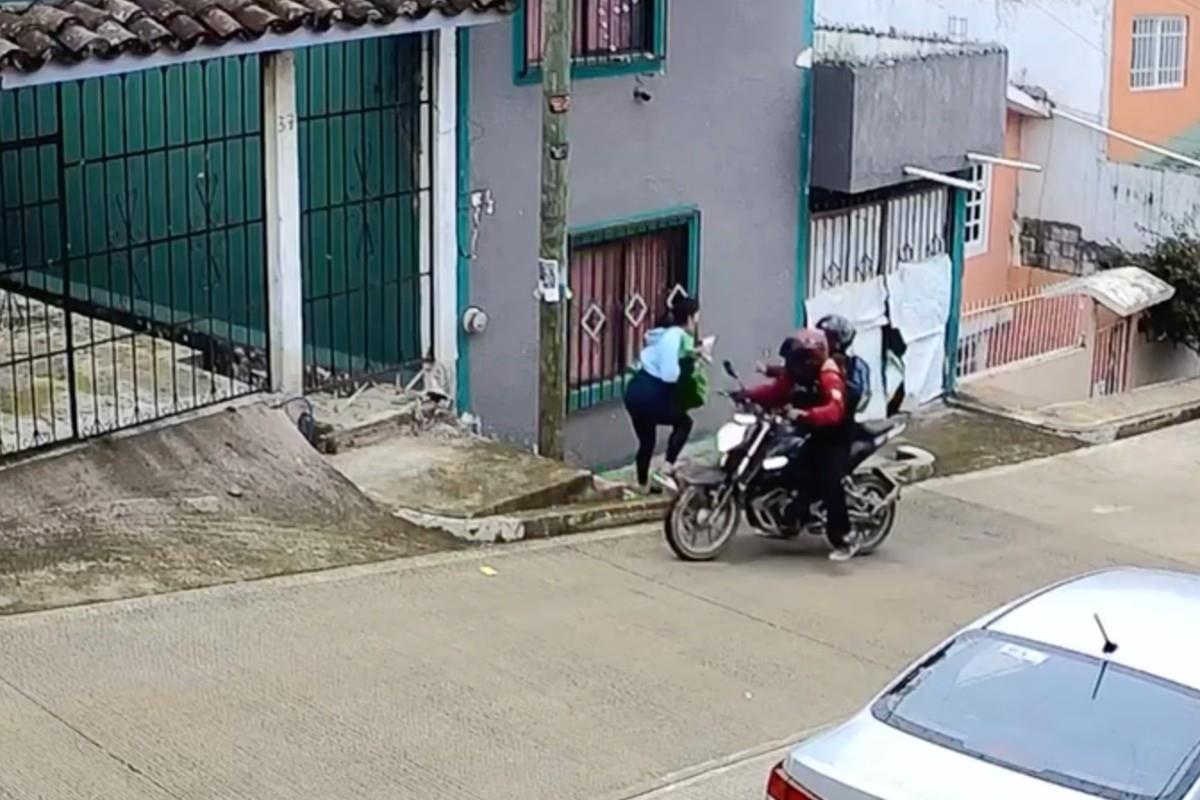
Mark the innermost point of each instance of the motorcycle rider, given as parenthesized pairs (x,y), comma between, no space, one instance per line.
(811,384)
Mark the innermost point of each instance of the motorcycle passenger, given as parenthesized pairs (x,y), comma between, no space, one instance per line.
(813,386)
(840,333)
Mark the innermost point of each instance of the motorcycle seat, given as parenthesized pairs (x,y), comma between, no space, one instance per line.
(868,438)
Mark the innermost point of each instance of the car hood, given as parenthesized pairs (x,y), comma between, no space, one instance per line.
(867,760)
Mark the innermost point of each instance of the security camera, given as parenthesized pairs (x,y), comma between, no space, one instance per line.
(641,95)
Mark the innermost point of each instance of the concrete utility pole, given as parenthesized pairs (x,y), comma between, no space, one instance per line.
(552,262)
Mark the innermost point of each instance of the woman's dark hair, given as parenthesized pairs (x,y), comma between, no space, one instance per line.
(680,312)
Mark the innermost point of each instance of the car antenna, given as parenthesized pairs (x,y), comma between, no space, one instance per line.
(1109,648)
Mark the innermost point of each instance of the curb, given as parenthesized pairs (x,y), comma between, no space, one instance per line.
(911,465)
(542,523)
(1097,433)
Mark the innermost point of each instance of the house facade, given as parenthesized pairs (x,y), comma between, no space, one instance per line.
(686,172)
(206,203)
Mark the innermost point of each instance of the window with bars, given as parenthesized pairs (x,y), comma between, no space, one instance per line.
(609,37)
(976,234)
(1159,52)
(622,280)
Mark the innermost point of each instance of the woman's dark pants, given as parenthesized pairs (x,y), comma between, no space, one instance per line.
(651,403)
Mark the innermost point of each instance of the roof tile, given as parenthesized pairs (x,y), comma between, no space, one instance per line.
(72,31)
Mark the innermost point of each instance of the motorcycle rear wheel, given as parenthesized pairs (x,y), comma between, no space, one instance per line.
(873,534)
(690,515)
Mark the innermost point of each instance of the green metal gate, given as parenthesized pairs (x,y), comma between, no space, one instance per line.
(132,249)
(363,112)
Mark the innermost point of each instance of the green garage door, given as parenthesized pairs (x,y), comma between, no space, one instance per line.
(361,113)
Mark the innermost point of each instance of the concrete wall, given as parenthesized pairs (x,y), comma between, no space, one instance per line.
(1056,378)
(928,112)
(722,132)
(1112,203)
(1155,362)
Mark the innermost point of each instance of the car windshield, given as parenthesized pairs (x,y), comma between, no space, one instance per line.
(1062,717)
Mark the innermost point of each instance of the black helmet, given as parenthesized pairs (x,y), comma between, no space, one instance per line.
(839,331)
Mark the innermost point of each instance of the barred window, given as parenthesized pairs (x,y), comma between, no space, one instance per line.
(1159,52)
(606,33)
(976,234)
(621,281)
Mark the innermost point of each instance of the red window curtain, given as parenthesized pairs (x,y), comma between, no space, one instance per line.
(601,27)
(618,291)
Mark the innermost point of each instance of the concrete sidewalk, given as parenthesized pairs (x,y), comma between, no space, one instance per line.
(959,440)
(1101,419)
(595,667)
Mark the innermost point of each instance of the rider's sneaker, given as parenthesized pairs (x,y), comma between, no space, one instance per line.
(843,554)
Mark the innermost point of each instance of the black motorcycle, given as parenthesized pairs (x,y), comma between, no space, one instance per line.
(761,459)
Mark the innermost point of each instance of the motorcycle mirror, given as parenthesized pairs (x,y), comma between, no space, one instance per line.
(729,370)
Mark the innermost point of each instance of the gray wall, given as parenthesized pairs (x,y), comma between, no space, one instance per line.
(870,121)
(721,133)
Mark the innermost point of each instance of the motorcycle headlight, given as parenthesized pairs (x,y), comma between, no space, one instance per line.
(730,436)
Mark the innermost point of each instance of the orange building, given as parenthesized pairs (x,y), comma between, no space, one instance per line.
(1154,84)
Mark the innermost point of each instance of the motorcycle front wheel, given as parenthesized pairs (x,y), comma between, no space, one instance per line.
(695,530)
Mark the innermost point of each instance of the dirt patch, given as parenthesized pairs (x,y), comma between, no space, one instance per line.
(965,441)
(234,496)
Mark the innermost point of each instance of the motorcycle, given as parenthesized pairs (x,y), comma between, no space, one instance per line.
(760,458)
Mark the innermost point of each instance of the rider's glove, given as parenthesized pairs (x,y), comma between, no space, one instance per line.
(797,414)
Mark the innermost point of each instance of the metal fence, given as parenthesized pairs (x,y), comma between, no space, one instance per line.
(132,274)
(1018,327)
(365,123)
(1110,358)
(852,243)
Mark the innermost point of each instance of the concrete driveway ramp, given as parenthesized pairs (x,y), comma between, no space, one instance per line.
(459,476)
(233,496)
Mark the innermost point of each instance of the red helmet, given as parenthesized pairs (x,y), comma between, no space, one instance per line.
(807,354)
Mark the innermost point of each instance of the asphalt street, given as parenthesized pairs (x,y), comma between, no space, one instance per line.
(590,667)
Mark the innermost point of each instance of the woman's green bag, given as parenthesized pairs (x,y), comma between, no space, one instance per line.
(692,392)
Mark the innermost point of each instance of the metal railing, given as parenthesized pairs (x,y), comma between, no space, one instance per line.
(1018,327)
(855,243)
(1110,358)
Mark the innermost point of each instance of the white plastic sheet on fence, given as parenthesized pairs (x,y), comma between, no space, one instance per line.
(920,299)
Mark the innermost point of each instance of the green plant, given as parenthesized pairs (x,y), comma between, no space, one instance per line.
(1174,258)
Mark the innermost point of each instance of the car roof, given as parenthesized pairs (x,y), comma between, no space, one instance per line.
(1147,613)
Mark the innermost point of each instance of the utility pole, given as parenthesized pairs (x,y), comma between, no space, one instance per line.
(552,261)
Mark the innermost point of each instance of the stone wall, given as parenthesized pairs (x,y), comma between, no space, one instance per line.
(1058,247)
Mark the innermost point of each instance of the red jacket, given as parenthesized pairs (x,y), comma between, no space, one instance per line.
(830,409)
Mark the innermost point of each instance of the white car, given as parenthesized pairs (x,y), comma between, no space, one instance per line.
(1088,688)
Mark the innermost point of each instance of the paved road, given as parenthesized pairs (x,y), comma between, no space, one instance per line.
(595,667)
